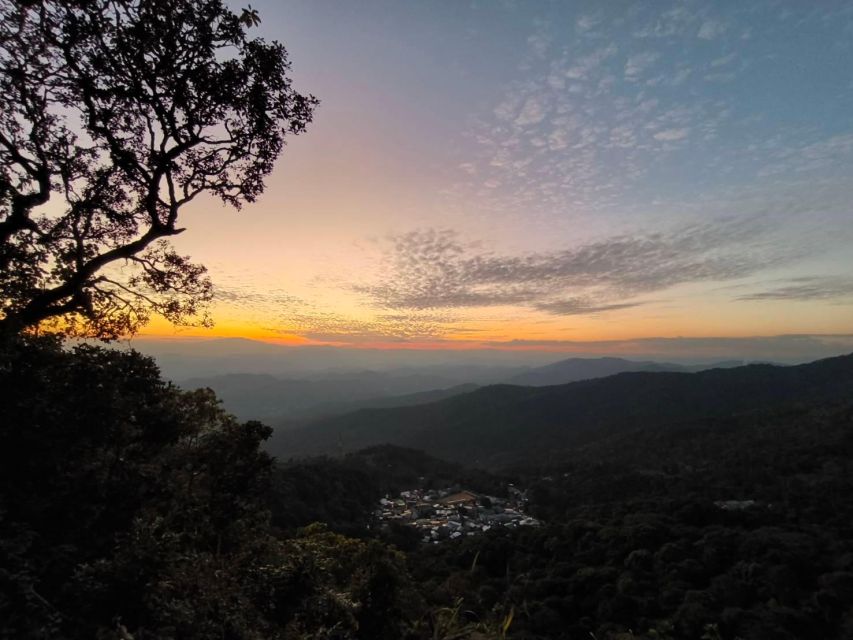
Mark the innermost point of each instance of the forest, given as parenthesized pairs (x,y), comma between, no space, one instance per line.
(141,510)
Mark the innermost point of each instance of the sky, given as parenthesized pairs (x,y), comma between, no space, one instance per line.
(548,175)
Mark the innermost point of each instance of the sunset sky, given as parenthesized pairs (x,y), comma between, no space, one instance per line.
(545,174)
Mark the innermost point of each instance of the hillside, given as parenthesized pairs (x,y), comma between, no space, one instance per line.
(503,424)
(733,527)
(404,400)
(343,492)
(285,400)
(576,369)
(273,399)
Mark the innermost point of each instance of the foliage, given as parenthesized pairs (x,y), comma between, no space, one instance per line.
(130,508)
(636,547)
(126,495)
(115,114)
(330,586)
(323,490)
(343,492)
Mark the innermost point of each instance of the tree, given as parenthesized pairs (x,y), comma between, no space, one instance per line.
(125,500)
(114,115)
(131,508)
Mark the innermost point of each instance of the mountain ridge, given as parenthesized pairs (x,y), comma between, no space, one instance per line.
(576,369)
(262,396)
(499,424)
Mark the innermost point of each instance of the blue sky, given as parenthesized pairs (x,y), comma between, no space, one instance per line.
(506,171)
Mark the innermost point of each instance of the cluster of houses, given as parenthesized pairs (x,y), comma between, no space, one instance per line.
(735,505)
(451,514)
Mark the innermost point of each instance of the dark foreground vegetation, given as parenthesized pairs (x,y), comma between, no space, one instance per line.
(132,509)
(636,542)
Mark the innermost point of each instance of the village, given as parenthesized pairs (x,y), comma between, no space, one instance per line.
(454,513)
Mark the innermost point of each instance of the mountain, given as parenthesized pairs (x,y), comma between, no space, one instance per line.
(575,369)
(270,398)
(181,359)
(406,400)
(285,400)
(503,424)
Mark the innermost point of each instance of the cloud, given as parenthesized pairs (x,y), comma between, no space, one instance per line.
(783,348)
(587,22)
(638,63)
(574,135)
(429,270)
(507,109)
(326,326)
(727,76)
(623,136)
(245,297)
(723,60)
(539,44)
(673,22)
(824,154)
(297,316)
(711,29)
(680,76)
(585,65)
(670,135)
(533,112)
(806,289)
(580,306)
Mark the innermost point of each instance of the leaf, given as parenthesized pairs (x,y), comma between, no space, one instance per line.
(508,621)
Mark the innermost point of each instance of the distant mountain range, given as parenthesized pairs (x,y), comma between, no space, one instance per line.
(505,424)
(280,400)
(190,358)
(407,400)
(575,369)
(181,358)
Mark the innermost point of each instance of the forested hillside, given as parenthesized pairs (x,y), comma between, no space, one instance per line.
(285,400)
(729,528)
(732,527)
(144,510)
(501,425)
(575,369)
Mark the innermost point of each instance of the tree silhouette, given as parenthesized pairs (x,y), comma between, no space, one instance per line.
(114,114)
